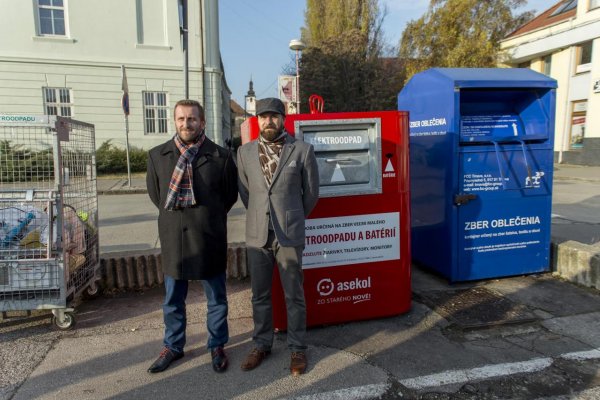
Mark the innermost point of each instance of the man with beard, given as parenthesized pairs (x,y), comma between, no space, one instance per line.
(193,182)
(279,186)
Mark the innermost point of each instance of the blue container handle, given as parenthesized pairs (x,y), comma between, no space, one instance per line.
(529,180)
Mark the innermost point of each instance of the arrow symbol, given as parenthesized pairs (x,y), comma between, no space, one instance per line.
(515,130)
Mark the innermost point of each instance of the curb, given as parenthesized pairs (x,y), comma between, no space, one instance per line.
(122,191)
(579,179)
(577,262)
(573,261)
(143,269)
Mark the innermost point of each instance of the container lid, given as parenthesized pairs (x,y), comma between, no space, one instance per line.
(492,77)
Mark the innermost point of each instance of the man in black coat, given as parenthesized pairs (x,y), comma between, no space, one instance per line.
(193,182)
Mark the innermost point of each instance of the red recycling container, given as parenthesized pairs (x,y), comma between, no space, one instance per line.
(356,259)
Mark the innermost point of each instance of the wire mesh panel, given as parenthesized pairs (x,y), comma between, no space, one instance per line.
(48,211)
(30,268)
(80,204)
(27,157)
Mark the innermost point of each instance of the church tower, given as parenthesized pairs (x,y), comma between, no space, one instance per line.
(250,99)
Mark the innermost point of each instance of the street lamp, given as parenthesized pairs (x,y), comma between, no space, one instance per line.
(297,45)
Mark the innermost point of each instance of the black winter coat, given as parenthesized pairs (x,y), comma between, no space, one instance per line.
(193,240)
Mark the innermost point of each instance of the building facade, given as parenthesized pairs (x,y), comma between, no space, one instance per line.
(563,42)
(65,57)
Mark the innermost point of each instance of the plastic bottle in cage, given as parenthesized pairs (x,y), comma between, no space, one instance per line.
(14,232)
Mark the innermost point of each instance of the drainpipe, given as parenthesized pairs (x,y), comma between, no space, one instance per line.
(212,71)
(202,53)
(565,139)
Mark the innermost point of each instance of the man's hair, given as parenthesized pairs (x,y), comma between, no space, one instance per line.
(193,103)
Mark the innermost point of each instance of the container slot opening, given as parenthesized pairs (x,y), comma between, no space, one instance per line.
(508,115)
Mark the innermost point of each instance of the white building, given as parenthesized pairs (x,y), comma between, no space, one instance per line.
(564,43)
(64,57)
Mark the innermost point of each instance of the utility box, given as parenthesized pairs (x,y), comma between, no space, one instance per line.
(481,166)
(356,260)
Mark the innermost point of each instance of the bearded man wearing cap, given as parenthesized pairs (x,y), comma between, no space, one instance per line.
(278,182)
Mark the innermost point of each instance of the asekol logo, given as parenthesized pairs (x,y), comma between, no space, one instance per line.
(326,286)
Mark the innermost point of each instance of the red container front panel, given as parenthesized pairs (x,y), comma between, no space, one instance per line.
(373,227)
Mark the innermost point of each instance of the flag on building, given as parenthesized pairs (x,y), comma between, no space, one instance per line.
(125,89)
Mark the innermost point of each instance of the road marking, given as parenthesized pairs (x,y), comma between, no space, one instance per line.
(460,376)
(354,393)
(582,355)
(492,371)
(479,373)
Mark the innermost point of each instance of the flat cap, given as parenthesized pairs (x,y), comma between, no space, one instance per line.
(270,104)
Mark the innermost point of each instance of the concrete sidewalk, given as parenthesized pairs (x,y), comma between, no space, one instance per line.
(121,184)
(576,172)
(546,344)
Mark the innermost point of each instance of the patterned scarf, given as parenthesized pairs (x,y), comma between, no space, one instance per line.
(268,155)
(181,194)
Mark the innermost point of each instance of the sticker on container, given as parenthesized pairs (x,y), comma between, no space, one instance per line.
(351,240)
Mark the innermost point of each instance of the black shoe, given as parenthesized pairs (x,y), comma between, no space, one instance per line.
(219,359)
(165,358)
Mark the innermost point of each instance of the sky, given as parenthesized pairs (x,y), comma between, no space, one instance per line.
(255,37)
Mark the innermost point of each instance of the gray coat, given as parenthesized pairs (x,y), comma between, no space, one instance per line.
(292,196)
(194,240)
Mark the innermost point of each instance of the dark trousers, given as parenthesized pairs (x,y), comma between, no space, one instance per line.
(174,312)
(261,262)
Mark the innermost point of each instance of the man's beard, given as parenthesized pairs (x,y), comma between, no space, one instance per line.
(195,134)
(271,133)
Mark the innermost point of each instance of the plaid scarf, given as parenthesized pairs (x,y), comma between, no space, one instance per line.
(268,155)
(181,193)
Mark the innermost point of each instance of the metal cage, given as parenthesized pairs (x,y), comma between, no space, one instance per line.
(49,252)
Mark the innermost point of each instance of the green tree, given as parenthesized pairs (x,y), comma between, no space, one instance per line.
(459,33)
(343,61)
(328,19)
(348,80)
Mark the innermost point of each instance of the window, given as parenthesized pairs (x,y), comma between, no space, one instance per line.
(564,7)
(578,116)
(51,17)
(584,57)
(547,64)
(152,22)
(57,101)
(156,112)
(594,4)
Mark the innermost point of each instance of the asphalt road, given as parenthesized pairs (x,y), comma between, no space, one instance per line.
(128,223)
(576,211)
(575,216)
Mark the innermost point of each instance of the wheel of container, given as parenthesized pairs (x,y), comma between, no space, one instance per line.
(93,290)
(68,323)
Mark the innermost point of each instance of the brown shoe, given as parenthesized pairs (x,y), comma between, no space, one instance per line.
(254,359)
(298,363)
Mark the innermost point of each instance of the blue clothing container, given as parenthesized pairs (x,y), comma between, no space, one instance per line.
(481,166)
